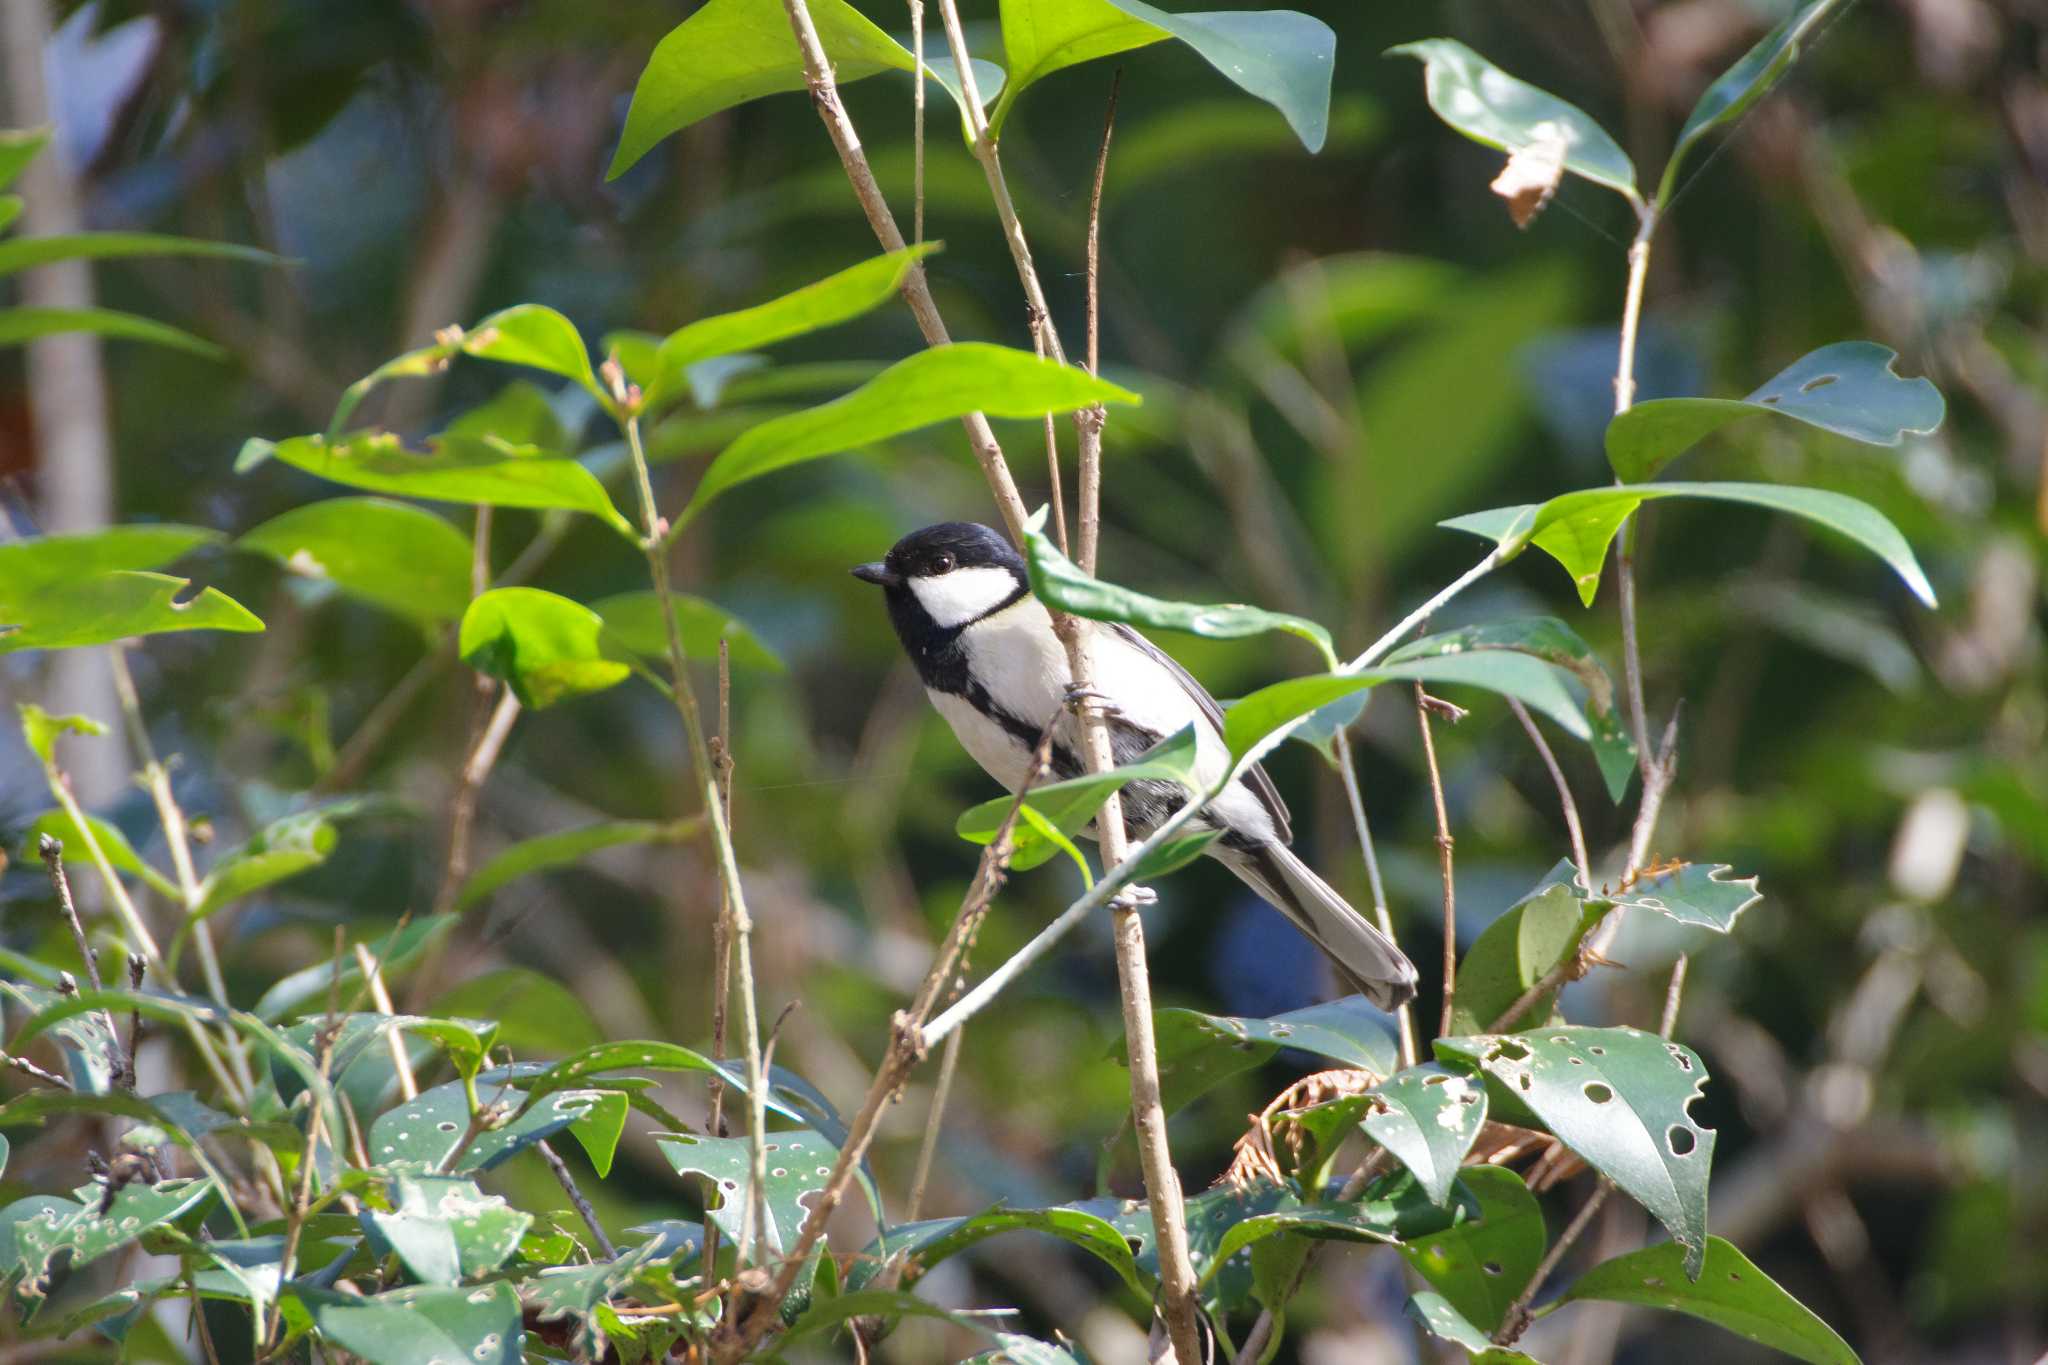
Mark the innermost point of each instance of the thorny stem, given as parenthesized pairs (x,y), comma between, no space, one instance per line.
(1564,788)
(1348,769)
(1444,846)
(583,1209)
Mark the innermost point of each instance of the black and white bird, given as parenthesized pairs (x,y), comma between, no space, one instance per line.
(961,603)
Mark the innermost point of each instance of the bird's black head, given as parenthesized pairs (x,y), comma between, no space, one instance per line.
(944,578)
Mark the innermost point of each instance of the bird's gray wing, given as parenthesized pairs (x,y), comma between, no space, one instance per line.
(1254,777)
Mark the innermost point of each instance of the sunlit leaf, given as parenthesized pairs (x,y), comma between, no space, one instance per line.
(391,554)
(1280,56)
(1699,894)
(432,1133)
(42,730)
(1070,805)
(1199,1051)
(86,1234)
(634,620)
(1482,1262)
(546,646)
(422,1325)
(113,843)
(1489,106)
(1731,1292)
(1848,388)
(1576,528)
(799,1162)
(445,1229)
(1618,1097)
(1520,947)
(464,469)
(18,147)
(931,386)
(118,606)
(283,848)
(1735,90)
(929,1243)
(1443,1320)
(1428,1118)
(41,563)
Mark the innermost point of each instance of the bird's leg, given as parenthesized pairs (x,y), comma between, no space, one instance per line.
(1079,699)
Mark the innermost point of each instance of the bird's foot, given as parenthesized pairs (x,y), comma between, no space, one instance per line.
(1080,699)
(1138,895)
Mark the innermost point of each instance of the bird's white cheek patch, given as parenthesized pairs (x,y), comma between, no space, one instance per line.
(963,595)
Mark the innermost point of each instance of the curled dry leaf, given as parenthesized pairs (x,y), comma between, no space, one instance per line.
(1530,178)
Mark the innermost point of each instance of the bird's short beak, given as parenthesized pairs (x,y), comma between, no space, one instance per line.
(877,573)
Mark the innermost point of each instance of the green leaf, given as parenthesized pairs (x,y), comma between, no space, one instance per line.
(1436,1313)
(423,1134)
(42,563)
(1483,1261)
(1199,1051)
(445,1229)
(799,1161)
(393,952)
(1491,107)
(832,300)
(634,620)
(283,848)
(519,414)
(1067,807)
(1428,1118)
(118,606)
(464,469)
(733,51)
(535,335)
(1554,642)
(390,554)
(42,730)
(94,1057)
(423,1325)
(1618,1098)
(1173,855)
(113,843)
(425,360)
(546,646)
(87,1235)
(932,386)
(24,324)
(926,1244)
(1738,88)
(536,1014)
(1256,723)
(1848,388)
(1059,583)
(18,147)
(467,1042)
(24,253)
(565,848)
(1699,894)
(1519,948)
(1731,1293)
(1576,528)
(1280,56)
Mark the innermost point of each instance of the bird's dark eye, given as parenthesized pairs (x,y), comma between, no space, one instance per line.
(942,563)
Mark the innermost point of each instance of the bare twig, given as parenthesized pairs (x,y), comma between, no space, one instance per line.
(1347,768)
(1564,788)
(720,747)
(1516,1320)
(1673,995)
(52,850)
(482,758)
(34,1072)
(583,1209)
(942,1089)
(1444,847)
(401,1059)
(917,125)
(315,1125)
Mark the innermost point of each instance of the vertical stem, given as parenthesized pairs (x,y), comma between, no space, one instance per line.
(917,125)
(1564,788)
(1673,995)
(1405,1016)
(1625,569)
(380,996)
(721,930)
(1444,845)
(942,1089)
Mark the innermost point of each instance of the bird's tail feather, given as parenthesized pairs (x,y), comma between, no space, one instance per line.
(1365,957)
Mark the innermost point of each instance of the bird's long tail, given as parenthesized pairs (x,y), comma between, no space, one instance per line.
(1365,957)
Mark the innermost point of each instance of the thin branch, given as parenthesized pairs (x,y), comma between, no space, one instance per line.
(1348,770)
(917,125)
(401,1059)
(583,1209)
(1673,995)
(1516,1320)
(720,747)
(51,848)
(1444,846)
(1564,789)
(469,788)
(1625,569)
(376,727)
(942,1089)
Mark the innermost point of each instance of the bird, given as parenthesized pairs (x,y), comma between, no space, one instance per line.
(959,597)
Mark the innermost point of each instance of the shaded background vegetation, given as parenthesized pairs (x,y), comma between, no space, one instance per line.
(1336,351)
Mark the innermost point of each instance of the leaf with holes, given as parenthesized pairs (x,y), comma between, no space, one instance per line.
(93,1054)
(1618,1098)
(573,1293)
(1482,1262)
(1732,1293)
(928,1243)
(424,1134)
(390,554)
(88,1235)
(1069,806)
(1554,642)
(1738,88)
(1199,1051)
(1444,1321)
(477,470)
(1428,1118)
(423,1325)
(1491,107)
(634,620)
(1224,1221)
(1280,56)
(546,646)
(1012,1349)
(934,385)
(1848,388)
(445,1229)
(1060,583)
(1520,947)
(118,606)
(1576,528)
(113,843)
(799,1161)
(1700,894)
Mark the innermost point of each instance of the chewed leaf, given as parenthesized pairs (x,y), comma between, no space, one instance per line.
(1701,894)
(1482,1262)
(799,1164)
(1849,388)
(1489,106)
(1428,1118)
(116,606)
(1618,1097)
